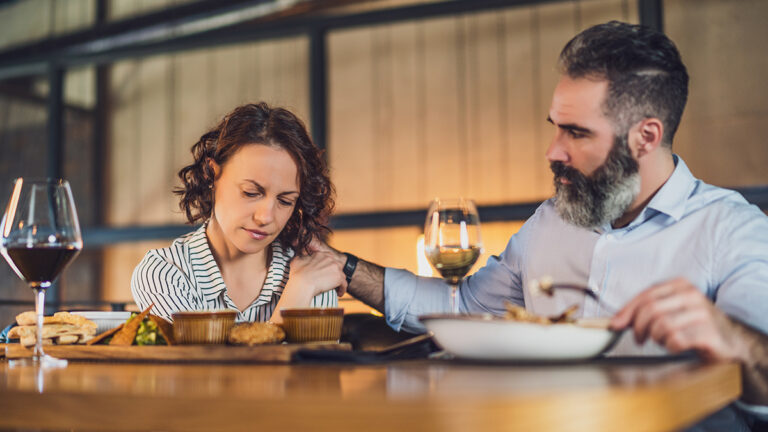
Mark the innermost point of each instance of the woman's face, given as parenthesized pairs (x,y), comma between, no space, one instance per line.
(255,193)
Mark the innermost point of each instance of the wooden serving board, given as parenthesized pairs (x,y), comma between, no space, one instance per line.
(282,353)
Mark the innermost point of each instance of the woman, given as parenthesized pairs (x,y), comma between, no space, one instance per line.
(262,191)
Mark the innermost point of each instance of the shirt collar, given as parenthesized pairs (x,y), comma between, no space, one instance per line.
(204,266)
(208,275)
(671,198)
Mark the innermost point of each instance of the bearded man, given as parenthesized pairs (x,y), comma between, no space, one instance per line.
(685,261)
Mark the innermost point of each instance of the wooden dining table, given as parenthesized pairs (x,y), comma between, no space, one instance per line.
(417,395)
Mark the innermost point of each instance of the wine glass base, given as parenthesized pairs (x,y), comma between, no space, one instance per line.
(45,361)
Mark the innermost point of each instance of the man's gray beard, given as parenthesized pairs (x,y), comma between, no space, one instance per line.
(604,196)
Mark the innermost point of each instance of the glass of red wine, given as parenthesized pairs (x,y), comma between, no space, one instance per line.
(40,237)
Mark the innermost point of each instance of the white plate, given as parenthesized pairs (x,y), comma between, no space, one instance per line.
(105,320)
(484,337)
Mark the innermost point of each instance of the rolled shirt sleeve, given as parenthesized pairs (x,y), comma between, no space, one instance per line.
(407,296)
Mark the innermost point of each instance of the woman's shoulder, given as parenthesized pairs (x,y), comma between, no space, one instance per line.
(281,253)
(179,250)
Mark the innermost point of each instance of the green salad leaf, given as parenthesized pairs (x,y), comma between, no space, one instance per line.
(148,333)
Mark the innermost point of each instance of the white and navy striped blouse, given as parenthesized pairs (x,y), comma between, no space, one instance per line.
(185,276)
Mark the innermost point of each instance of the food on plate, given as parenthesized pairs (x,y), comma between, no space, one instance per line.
(105,335)
(139,329)
(29,318)
(164,330)
(256,333)
(519,313)
(153,330)
(544,285)
(62,328)
(127,334)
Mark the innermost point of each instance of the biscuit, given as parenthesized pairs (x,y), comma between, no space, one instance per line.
(256,333)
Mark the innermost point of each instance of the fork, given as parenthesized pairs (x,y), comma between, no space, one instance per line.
(547,287)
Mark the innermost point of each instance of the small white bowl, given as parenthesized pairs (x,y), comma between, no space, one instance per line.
(105,320)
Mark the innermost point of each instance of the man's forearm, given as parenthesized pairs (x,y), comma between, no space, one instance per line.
(367,284)
(755,366)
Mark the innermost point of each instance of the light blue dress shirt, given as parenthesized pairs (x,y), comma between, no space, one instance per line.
(709,235)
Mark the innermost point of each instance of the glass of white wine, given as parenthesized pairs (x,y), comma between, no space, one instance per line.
(452,240)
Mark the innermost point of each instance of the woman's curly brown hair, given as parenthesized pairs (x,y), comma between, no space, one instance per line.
(261,124)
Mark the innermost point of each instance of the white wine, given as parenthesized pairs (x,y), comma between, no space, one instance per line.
(453,262)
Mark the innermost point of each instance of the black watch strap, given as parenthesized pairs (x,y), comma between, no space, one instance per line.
(350,266)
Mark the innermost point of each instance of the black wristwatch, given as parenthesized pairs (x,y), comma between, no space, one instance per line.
(350,266)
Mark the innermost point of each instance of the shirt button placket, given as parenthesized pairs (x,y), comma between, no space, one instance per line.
(597,271)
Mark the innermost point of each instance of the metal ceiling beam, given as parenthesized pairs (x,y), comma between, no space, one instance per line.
(152,28)
(187,27)
(22,94)
(651,14)
(55,156)
(318,89)
(98,237)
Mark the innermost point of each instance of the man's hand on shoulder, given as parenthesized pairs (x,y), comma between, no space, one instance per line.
(367,284)
(317,246)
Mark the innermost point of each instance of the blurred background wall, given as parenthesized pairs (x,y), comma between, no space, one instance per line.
(448,106)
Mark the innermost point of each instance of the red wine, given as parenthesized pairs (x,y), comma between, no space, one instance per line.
(41,264)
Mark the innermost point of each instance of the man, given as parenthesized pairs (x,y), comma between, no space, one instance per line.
(686,262)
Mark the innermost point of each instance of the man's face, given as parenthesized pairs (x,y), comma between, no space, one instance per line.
(596,176)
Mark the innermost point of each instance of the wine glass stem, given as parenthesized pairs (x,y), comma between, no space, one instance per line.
(454,299)
(39,306)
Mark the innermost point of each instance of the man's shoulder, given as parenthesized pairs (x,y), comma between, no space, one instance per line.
(725,204)
(546,224)
(547,215)
(545,210)
(708,195)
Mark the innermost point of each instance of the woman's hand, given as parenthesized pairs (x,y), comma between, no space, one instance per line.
(309,276)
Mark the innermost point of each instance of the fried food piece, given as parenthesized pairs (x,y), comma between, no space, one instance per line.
(62,328)
(29,341)
(519,313)
(565,317)
(67,339)
(49,331)
(77,320)
(127,334)
(164,328)
(29,318)
(256,333)
(71,333)
(100,337)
